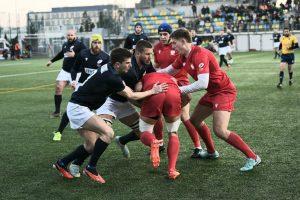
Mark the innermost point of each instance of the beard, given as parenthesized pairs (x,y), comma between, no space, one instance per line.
(96,50)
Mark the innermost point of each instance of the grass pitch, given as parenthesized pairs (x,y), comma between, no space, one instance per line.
(268,119)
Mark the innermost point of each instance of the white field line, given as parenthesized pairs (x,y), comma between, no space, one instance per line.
(25,74)
(14,64)
(25,89)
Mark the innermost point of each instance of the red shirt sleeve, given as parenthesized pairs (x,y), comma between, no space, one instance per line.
(201,63)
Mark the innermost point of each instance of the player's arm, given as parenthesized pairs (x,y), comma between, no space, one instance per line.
(157,88)
(200,84)
(58,56)
(169,70)
(295,44)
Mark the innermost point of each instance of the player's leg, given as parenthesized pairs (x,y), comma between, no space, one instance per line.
(150,112)
(220,125)
(281,72)
(200,113)
(105,136)
(172,112)
(158,132)
(194,135)
(290,68)
(172,125)
(62,125)
(275,52)
(61,82)
(147,137)
(131,121)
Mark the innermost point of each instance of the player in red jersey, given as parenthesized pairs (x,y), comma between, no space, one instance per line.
(164,55)
(167,104)
(219,99)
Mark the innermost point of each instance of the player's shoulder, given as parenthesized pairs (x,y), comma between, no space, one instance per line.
(157,46)
(104,54)
(293,37)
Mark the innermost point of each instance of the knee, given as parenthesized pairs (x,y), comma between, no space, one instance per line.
(58,89)
(220,132)
(185,116)
(108,135)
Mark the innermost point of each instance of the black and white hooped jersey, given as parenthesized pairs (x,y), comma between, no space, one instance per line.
(133,76)
(196,40)
(276,37)
(222,41)
(68,62)
(87,63)
(97,87)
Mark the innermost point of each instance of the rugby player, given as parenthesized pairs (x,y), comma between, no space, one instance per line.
(288,43)
(167,104)
(86,63)
(223,44)
(164,55)
(70,50)
(276,43)
(132,39)
(218,101)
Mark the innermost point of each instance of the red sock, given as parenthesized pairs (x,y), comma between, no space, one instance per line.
(193,133)
(237,142)
(158,129)
(146,138)
(206,137)
(173,151)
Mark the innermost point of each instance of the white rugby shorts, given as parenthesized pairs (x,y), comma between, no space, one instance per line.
(66,76)
(78,115)
(276,44)
(223,50)
(116,109)
(229,49)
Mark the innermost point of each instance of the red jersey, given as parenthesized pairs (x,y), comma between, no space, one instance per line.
(165,55)
(150,79)
(201,61)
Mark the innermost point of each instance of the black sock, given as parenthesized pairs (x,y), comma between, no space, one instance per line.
(225,61)
(78,152)
(129,137)
(99,148)
(221,61)
(291,75)
(80,160)
(57,101)
(63,122)
(281,75)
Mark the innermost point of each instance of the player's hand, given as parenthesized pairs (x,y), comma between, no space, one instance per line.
(73,85)
(159,88)
(70,54)
(49,63)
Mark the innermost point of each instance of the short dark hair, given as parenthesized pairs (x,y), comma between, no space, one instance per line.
(119,55)
(142,45)
(286,28)
(182,33)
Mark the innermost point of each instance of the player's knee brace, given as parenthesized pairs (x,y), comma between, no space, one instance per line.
(173,126)
(145,127)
